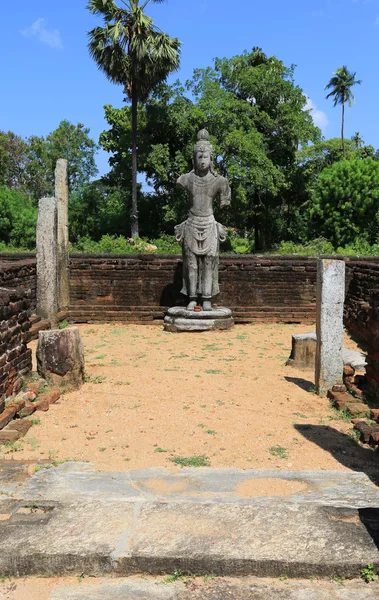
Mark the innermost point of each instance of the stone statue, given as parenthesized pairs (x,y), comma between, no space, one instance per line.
(200,235)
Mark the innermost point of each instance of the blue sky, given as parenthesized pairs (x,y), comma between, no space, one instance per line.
(47,74)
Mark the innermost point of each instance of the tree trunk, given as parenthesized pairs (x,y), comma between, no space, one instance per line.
(134,211)
(343,130)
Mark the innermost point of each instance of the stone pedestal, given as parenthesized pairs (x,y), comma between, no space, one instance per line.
(60,358)
(180,319)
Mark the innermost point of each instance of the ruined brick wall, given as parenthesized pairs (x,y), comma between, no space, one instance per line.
(15,358)
(362,286)
(19,272)
(139,287)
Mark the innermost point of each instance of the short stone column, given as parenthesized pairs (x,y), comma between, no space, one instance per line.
(47,282)
(60,358)
(61,194)
(329,324)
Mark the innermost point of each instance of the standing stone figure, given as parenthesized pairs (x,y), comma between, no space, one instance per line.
(200,235)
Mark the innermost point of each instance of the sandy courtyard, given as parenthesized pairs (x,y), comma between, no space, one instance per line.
(151,396)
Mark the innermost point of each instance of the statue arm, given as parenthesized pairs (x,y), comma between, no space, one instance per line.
(225,193)
(181,182)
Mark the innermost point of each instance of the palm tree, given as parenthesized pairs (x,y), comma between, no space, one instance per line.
(133,52)
(341,85)
(357,140)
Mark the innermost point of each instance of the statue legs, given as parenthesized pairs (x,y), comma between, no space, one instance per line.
(200,280)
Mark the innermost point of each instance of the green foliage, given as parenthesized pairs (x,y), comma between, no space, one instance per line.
(368,574)
(255,114)
(345,202)
(191,461)
(28,165)
(278,451)
(18,219)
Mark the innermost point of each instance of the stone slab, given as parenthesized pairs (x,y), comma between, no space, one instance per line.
(196,520)
(46,243)
(73,480)
(329,324)
(217,589)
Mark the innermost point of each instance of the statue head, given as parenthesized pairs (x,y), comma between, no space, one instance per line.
(203,153)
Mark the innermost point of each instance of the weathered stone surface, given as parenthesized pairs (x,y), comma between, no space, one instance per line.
(42,404)
(7,415)
(60,358)
(61,195)
(358,409)
(51,396)
(303,352)
(28,409)
(179,319)
(329,324)
(47,281)
(8,435)
(20,425)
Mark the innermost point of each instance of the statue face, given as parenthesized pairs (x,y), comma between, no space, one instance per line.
(203,161)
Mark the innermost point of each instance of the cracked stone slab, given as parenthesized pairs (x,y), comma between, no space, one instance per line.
(79,480)
(218,589)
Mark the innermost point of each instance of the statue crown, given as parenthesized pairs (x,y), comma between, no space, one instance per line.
(203,142)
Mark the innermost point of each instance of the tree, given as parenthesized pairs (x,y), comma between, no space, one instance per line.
(13,160)
(133,52)
(18,219)
(341,85)
(345,202)
(256,116)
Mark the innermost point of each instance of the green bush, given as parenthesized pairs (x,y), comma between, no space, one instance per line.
(18,219)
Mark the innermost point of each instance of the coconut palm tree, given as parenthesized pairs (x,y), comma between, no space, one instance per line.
(341,85)
(133,52)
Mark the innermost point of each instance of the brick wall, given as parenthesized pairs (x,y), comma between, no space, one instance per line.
(362,286)
(139,287)
(19,272)
(15,358)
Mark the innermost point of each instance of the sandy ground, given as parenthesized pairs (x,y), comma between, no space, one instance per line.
(34,588)
(152,396)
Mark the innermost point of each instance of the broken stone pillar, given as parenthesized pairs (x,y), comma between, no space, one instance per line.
(60,358)
(47,281)
(61,194)
(303,353)
(329,324)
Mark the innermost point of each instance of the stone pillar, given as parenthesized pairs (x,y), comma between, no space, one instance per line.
(61,194)
(329,324)
(47,282)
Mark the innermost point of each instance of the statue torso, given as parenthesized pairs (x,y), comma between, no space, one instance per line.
(201,192)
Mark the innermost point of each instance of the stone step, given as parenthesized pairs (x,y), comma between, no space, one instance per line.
(226,522)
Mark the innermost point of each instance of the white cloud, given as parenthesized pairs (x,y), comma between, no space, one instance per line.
(319,117)
(51,37)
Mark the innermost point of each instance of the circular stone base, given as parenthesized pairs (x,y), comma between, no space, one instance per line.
(179,319)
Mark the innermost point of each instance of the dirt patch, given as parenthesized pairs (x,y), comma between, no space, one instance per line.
(151,396)
(160,486)
(266,487)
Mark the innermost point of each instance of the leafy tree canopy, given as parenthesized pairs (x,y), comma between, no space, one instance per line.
(345,202)
(257,118)
(28,165)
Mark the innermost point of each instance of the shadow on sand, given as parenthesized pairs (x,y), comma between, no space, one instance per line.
(304,384)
